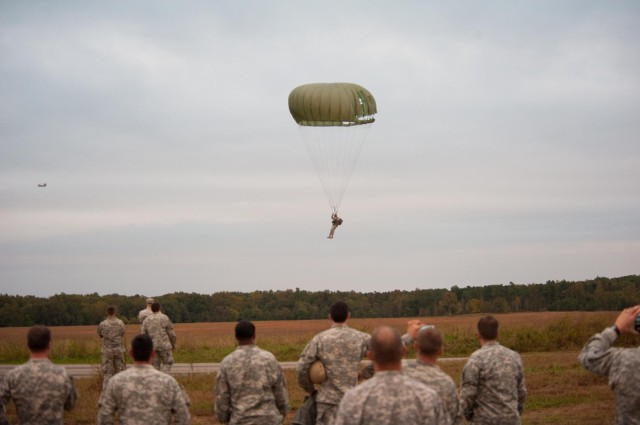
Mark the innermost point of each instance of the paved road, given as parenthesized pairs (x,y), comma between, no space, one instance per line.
(88,370)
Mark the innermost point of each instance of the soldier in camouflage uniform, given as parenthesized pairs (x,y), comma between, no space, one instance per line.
(143,395)
(428,347)
(146,312)
(250,384)
(160,329)
(621,365)
(40,390)
(340,349)
(492,386)
(111,330)
(390,397)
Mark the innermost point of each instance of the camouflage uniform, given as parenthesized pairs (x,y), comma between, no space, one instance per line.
(250,388)
(340,348)
(41,392)
(492,387)
(622,366)
(391,398)
(111,330)
(144,314)
(142,395)
(434,377)
(160,329)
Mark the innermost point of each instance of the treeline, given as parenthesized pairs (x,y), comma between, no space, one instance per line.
(69,309)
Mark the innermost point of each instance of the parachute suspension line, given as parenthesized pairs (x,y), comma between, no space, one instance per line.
(334,152)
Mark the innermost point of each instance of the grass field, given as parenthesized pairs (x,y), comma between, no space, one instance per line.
(560,391)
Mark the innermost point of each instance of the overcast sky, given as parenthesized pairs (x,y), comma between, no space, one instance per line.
(506,146)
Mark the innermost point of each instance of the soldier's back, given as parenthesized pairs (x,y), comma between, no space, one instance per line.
(142,394)
(624,380)
(443,384)
(112,331)
(391,398)
(40,391)
(143,314)
(501,375)
(256,383)
(340,349)
(156,326)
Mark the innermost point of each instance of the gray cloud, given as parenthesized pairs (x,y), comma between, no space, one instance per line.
(505,147)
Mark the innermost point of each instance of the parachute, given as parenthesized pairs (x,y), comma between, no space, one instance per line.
(334,119)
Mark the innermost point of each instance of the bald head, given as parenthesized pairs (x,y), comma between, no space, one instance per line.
(386,347)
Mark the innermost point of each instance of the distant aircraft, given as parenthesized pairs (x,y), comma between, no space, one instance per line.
(42,185)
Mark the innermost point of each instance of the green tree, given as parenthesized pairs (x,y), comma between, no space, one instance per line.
(474,306)
(449,303)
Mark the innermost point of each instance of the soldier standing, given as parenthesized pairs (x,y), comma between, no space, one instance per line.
(40,390)
(143,395)
(111,331)
(146,312)
(340,349)
(621,365)
(390,397)
(250,385)
(428,346)
(160,329)
(492,386)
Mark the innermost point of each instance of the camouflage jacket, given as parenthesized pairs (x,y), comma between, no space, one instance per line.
(144,314)
(40,390)
(160,329)
(142,395)
(492,386)
(251,388)
(622,366)
(434,377)
(340,348)
(391,398)
(111,330)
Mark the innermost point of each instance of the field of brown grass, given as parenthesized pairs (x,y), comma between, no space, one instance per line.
(560,391)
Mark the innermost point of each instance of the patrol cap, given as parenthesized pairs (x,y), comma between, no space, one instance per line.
(150,301)
(317,374)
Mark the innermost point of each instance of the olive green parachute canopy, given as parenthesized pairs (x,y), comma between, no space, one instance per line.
(332,105)
(333,119)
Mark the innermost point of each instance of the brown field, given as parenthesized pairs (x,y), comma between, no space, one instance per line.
(303,329)
(560,391)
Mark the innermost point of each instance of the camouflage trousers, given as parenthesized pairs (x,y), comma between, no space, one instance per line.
(326,413)
(163,360)
(112,364)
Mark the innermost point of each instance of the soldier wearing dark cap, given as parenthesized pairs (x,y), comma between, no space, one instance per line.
(492,389)
(621,365)
(340,349)
(428,345)
(111,331)
(390,397)
(250,385)
(40,390)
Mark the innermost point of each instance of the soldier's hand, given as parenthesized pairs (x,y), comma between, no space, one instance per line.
(413,326)
(627,319)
